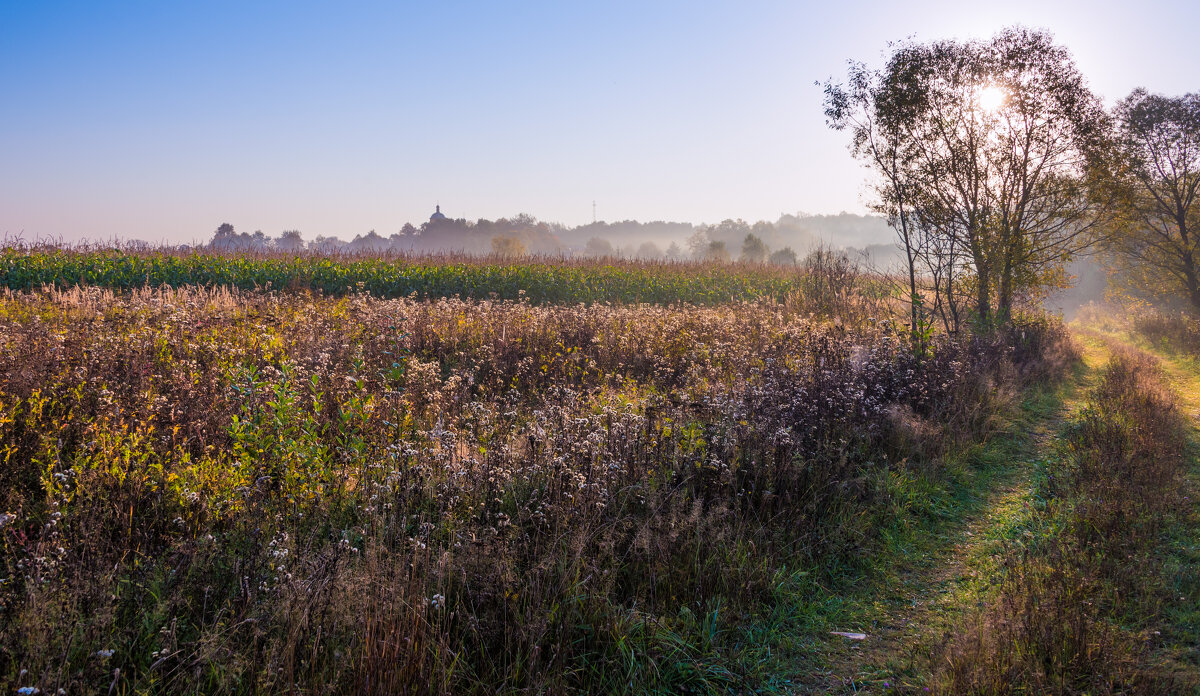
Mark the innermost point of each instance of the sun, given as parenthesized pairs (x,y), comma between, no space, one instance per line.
(991,97)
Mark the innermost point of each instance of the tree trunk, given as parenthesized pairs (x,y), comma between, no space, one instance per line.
(1192,279)
(1191,274)
(983,294)
(913,297)
(1004,304)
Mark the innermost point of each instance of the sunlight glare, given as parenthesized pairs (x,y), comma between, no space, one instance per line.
(991,97)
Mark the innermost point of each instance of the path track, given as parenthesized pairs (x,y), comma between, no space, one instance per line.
(931,600)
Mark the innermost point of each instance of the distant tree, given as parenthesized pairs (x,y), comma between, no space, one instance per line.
(698,242)
(784,257)
(521,220)
(369,242)
(290,241)
(767,232)
(674,252)
(598,247)
(649,250)
(729,231)
(716,251)
(508,247)
(326,245)
(1156,232)
(226,239)
(753,249)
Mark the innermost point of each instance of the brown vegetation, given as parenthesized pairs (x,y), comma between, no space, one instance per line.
(214,490)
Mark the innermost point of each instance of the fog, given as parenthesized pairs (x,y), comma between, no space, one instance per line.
(781,241)
(1088,283)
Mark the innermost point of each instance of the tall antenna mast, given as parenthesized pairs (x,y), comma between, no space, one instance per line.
(593,212)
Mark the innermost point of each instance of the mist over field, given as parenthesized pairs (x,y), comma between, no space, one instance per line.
(783,241)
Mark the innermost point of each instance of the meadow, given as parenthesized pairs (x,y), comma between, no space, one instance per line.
(209,489)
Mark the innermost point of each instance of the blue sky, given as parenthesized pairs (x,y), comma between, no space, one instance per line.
(159,121)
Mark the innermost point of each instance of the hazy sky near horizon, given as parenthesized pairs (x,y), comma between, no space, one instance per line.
(160,120)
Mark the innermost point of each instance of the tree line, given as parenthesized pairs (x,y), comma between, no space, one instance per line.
(782,242)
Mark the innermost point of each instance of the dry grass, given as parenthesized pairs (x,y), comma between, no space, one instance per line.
(237,491)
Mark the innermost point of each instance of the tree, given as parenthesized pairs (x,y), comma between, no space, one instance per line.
(326,245)
(877,139)
(1158,219)
(370,242)
(729,231)
(598,247)
(508,247)
(715,251)
(767,232)
(649,250)
(698,241)
(784,257)
(290,241)
(987,153)
(754,250)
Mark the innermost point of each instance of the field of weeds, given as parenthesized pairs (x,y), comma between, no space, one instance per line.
(217,490)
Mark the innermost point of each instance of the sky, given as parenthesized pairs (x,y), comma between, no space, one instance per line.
(161,120)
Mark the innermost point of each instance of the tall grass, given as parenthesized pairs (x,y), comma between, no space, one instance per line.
(215,490)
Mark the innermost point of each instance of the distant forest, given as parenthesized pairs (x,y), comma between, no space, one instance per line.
(782,242)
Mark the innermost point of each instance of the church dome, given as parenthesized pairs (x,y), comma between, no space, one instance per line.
(437,215)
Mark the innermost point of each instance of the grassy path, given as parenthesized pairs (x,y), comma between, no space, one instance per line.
(907,613)
(1179,648)
(910,614)
(1182,371)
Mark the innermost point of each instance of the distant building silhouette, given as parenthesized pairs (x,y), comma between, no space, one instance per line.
(437,215)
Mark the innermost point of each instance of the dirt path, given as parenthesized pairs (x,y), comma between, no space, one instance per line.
(929,600)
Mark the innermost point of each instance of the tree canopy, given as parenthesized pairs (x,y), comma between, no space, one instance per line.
(1154,234)
(983,152)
